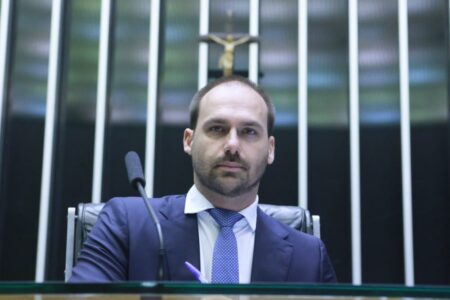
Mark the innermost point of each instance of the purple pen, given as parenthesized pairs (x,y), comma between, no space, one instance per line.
(197,274)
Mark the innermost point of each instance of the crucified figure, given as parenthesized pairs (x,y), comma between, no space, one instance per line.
(226,60)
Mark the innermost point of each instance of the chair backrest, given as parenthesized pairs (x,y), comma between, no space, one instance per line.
(80,224)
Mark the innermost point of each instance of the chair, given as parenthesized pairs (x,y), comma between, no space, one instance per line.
(81,221)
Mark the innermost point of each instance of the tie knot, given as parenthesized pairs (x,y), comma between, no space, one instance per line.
(224,217)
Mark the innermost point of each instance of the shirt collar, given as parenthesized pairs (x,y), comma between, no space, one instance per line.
(196,203)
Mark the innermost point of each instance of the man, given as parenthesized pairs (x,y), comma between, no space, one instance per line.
(230,143)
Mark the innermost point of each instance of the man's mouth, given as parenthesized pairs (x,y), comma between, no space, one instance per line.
(231,166)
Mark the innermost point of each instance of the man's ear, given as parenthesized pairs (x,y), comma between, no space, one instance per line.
(188,137)
(271,156)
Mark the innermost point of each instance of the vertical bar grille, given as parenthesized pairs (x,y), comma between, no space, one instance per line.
(203,47)
(102,99)
(5,31)
(303,103)
(354,142)
(53,86)
(152,95)
(253,66)
(408,245)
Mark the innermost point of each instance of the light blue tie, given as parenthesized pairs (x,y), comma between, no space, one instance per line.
(225,267)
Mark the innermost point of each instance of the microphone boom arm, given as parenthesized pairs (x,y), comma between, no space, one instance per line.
(137,181)
(152,213)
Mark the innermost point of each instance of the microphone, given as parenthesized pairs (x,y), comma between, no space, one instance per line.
(134,169)
(137,181)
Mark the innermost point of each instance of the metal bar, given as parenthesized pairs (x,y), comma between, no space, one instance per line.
(102,95)
(354,142)
(253,49)
(303,103)
(5,30)
(408,245)
(70,241)
(152,103)
(203,46)
(54,68)
(5,40)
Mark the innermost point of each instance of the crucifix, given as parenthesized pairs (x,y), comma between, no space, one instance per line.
(229,42)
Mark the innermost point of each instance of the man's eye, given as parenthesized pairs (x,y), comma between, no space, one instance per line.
(216,129)
(249,131)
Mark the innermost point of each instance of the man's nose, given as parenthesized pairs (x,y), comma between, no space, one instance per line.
(232,142)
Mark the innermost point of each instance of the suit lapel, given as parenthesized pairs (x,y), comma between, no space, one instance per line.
(272,252)
(180,239)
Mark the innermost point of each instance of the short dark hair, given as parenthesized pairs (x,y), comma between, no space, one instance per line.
(194,107)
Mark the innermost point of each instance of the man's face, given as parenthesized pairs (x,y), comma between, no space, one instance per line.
(230,147)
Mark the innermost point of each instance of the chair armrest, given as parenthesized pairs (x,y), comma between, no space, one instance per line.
(69,242)
(316,225)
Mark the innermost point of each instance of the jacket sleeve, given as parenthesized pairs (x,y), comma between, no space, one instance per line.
(104,256)
(327,270)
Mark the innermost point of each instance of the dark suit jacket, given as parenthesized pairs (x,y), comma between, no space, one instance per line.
(123,245)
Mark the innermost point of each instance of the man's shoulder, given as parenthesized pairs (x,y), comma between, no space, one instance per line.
(290,234)
(136,204)
(308,250)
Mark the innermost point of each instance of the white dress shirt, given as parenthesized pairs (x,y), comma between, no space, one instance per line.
(208,230)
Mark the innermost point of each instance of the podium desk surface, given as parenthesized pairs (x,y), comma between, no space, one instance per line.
(188,291)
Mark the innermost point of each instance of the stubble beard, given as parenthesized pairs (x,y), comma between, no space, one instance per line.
(222,183)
